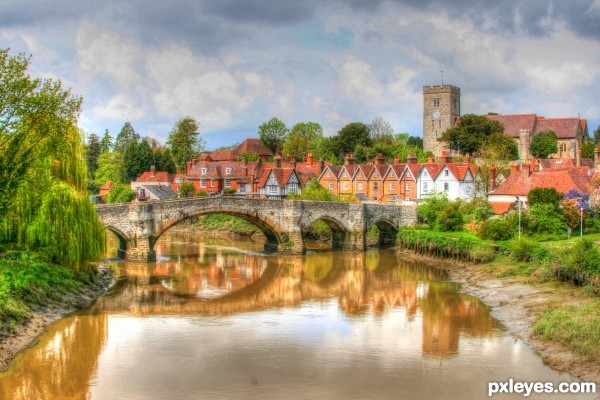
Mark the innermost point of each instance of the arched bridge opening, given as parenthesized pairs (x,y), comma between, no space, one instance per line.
(326,232)
(115,243)
(384,232)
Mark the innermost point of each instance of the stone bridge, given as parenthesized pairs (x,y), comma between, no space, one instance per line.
(139,225)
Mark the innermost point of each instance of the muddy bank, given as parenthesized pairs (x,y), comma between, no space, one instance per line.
(25,335)
(518,305)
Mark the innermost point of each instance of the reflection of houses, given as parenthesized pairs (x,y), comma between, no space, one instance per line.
(570,132)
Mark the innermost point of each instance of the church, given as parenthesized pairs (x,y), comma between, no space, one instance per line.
(441,111)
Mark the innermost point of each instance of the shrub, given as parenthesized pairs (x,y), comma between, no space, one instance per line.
(477,210)
(525,249)
(450,218)
(228,191)
(545,218)
(119,194)
(580,264)
(186,189)
(430,207)
(496,229)
(201,193)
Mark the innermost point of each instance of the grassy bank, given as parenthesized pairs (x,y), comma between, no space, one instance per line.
(29,281)
(227,223)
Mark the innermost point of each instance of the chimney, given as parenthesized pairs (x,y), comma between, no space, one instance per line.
(526,170)
(467,158)
(152,171)
(244,160)
(514,169)
(188,166)
(349,159)
(379,159)
(430,159)
(293,163)
(411,159)
(534,165)
(446,157)
(277,160)
(397,160)
(309,159)
(493,177)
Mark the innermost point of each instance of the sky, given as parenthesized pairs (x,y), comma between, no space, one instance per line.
(234,64)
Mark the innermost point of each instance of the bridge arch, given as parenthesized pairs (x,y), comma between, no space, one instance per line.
(122,237)
(339,233)
(388,232)
(262,222)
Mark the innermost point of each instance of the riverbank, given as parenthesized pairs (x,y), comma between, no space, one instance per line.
(518,303)
(24,335)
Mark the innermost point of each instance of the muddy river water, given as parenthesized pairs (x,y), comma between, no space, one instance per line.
(216,319)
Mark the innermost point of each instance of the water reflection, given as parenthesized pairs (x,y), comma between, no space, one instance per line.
(210,321)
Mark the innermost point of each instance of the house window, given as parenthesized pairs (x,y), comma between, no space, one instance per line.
(242,188)
(360,186)
(391,174)
(330,185)
(272,189)
(433,122)
(204,170)
(563,147)
(375,186)
(425,187)
(391,186)
(440,122)
(212,183)
(408,186)
(228,170)
(446,172)
(203,183)
(345,186)
(436,102)
(227,182)
(446,186)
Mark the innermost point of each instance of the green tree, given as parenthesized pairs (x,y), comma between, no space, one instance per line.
(187,189)
(544,196)
(137,158)
(415,141)
(546,219)
(381,131)
(273,134)
(543,144)
(303,138)
(313,191)
(126,135)
(163,160)
(106,143)
(184,141)
(350,136)
(587,150)
(471,133)
(498,150)
(120,194)
(92,150)
(110,168)
(430,207)
(450,218)
(596,137)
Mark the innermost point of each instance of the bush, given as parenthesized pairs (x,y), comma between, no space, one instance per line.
(450,218)
(186,189)
(545,218)
(525,249)
(431,206)
(496,229)
(119,194)
(228,191)
(201,193)
(579,265)
(477,210)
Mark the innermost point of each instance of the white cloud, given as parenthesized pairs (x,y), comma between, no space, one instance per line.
(357,79)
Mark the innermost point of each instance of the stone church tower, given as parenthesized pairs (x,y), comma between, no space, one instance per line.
(441,109)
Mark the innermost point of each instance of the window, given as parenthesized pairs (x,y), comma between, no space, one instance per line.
(330,185)
(272,189)
(425,187)
(446,172)
(433,122)
(455,104)
(391,185)
(227,182)
(436,133)
(360,186)
(446,186)
(242,188)
(345,186)
(391,174)
(563,147)
(408,186)
(436,102)
(212,183)
(204,170)
(375,186)
(203,183)
(440,122)
(228,170)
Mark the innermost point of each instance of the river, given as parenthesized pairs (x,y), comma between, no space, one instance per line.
(216,319)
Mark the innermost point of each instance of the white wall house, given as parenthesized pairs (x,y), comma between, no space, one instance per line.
(280,183)
(456,181)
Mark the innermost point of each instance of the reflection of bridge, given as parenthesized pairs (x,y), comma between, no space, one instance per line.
(139,225)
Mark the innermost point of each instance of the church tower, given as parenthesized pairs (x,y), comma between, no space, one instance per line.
(441,110)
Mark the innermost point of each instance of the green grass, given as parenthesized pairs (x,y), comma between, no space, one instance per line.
(29,280)
(576,326)
(223,222)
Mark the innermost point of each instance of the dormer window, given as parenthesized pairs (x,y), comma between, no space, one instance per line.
(204,170)
(228,170)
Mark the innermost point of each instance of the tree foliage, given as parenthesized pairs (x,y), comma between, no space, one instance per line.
(273,134)
(381,131)
(126,135)
(587,150)
(314,191)
(137,158)
(304,138)
(106,143)
(543,144)
(163,160)
(471,133)
(544,196)
(352,135)
(184,141)
(187,189)
(120,194)
(110,168)
(596,137)
(93,151)
(431,206)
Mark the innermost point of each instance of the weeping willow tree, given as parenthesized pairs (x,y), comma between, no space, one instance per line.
(43,200)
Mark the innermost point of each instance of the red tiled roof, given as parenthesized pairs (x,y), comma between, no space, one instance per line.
(513,123)
(156,176)
(220,155)
(500,207)
(251,146)
(563,180)
(565,128)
